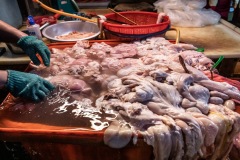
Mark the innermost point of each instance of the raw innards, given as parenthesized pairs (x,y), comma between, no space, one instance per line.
(155,89)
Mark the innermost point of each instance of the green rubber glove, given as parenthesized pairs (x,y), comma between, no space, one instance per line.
(27,85)
(31,46)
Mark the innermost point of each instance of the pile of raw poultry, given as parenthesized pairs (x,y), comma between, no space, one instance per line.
(155,89)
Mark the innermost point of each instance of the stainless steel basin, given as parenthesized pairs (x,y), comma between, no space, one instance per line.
(63,28)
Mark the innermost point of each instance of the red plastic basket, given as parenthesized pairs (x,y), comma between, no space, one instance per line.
(133,37)
(146,23)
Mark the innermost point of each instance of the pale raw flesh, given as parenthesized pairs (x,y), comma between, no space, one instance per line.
(75,35)
(182,115)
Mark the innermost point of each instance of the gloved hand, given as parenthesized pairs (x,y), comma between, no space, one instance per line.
(27,85)
(31,45)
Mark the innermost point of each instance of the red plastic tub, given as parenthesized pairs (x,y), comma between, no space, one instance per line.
(146,23)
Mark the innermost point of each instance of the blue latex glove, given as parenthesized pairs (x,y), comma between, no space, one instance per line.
(31,46)
(27,85)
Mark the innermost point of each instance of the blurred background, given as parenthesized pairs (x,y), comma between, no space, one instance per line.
(229,9)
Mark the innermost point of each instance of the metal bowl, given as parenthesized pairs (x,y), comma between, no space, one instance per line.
(63,28)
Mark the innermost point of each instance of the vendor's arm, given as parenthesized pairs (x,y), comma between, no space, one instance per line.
(9,33)
(25,85)
(30,44)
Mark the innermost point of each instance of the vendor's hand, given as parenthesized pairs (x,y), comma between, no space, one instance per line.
(31,46)
(27,85)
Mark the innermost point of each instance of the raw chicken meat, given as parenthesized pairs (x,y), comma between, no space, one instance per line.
(176,108)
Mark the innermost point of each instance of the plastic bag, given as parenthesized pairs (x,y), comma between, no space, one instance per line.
(187,13)
(197,4)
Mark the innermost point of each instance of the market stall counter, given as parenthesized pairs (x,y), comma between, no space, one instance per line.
(119,102)
(98,83)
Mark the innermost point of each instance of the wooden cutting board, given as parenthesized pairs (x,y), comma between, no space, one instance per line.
(217,40)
